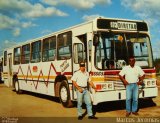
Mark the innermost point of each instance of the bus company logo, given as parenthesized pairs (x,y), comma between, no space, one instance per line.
(35,68)
(64,66)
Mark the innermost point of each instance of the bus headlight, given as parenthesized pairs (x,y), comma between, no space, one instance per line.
(104,86)
(154,83)
(148,83)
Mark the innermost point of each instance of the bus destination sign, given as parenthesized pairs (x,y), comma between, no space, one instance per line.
(123,25)
(114,24)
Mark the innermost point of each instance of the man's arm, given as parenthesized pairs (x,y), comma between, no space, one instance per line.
(123,80)
(92,85)
(140,82)
(77,87)
(142,76)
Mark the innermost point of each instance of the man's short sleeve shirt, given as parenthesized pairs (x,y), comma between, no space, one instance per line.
(81,78)
(132,74)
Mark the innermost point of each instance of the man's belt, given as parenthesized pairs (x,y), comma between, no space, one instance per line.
(84,87)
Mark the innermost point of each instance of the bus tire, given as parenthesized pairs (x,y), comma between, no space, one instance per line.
(57,89)
(64,95)
(17,88)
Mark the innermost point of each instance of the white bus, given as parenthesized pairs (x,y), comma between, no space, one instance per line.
(45,65)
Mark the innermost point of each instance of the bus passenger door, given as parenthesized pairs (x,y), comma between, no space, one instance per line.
(79,51)
(10,69)
(1,69)
(78,55)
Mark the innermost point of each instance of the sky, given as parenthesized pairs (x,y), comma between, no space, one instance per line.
(22,20)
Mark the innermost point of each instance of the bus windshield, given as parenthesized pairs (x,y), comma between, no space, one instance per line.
(113,50)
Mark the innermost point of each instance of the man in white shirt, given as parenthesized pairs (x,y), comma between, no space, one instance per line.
(132,76)
(80,80)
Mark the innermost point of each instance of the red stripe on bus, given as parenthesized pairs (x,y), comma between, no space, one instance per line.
(115,72)
(149,71)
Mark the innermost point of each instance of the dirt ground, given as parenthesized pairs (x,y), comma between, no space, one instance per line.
(35,105)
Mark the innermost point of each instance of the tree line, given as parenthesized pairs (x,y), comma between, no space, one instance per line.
(157,64)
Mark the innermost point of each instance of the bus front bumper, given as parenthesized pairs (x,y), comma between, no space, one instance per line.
(99,97)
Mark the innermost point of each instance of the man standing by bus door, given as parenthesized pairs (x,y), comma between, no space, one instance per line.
(80,79)
(132,76)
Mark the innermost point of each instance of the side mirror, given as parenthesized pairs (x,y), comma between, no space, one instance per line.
(95,40)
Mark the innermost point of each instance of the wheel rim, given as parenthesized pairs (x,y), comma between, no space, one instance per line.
(63,94)
(16,86)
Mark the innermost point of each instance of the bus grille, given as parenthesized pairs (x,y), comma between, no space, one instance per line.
(118,85)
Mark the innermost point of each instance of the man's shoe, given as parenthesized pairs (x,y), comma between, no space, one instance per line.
(127,114)
(135,113)
(92,117)
(80,117)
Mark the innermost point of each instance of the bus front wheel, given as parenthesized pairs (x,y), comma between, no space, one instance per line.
(64,95)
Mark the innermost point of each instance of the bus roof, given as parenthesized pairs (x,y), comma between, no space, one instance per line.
(70,28)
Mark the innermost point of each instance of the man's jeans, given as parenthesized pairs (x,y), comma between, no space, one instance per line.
(132,95)
(87,99)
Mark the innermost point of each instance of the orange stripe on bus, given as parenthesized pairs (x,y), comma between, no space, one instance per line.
(41,77)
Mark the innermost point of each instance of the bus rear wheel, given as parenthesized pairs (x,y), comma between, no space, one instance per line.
(64,95)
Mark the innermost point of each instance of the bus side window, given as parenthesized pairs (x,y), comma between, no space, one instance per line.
(49,49)
(64,44)
(5,58)
(25,58)
(17,55)
(36,52)
(78,53)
